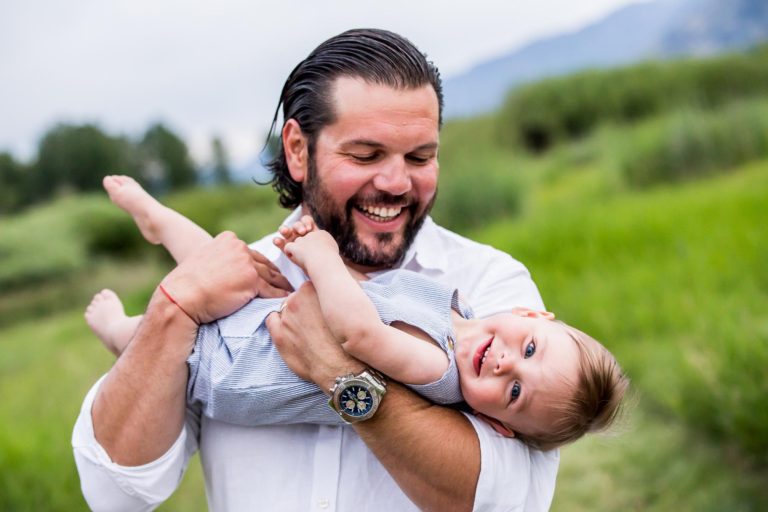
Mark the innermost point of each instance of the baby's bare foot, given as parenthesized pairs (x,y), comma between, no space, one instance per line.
(126,193)
(103,314)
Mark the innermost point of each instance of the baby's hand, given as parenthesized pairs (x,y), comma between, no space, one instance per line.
(314,246)
(299,228)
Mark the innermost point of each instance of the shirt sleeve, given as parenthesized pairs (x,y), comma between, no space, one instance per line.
(504,283)
(110,486)
(512,476)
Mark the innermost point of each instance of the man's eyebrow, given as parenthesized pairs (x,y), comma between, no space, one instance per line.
(429,146)
(361,142)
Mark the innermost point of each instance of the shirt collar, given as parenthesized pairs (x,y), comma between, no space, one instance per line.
(426,251)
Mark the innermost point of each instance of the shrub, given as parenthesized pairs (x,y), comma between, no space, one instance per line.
(470,199)
(538,115)
(691,143)
(208,207)
(105,229)
(39,245)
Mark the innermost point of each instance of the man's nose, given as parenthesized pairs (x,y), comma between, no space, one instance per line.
(393,177)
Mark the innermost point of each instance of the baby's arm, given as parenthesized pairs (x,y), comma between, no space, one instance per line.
(352,317)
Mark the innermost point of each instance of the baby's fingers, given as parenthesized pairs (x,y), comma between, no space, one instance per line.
(309,223)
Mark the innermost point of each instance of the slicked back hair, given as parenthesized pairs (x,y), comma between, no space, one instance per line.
(377,56)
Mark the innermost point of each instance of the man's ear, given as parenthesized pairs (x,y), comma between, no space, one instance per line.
(497,425)
(296,150)
(530,313)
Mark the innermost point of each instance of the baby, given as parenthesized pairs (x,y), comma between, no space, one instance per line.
(524,373)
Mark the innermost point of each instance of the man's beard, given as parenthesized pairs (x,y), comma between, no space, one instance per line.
(341,226)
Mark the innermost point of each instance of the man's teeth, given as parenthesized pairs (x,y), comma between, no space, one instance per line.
(381,212)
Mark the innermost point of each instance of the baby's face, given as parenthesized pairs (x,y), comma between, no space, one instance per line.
(517,367)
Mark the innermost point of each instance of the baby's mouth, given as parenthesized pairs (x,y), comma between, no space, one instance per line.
(481,354)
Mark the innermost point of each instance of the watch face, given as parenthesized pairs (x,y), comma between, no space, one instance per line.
(355,400)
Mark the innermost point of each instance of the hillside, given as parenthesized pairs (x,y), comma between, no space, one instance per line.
(664,28)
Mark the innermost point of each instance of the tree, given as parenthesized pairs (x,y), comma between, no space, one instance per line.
(166,161)
(11,184)
(221,172)
(77,157)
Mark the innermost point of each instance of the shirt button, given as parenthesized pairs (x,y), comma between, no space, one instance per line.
(323,503)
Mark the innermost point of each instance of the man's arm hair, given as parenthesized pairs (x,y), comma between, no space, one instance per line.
(139,410)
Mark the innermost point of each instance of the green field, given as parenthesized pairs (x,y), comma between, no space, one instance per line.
(669,273)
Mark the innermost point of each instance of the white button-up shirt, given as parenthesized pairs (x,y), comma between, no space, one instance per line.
(329,468)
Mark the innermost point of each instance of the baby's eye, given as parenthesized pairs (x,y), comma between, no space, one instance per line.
(530,349)
(515,391)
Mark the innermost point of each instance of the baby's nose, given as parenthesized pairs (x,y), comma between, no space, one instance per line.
(504,363)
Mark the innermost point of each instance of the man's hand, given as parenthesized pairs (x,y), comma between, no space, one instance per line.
(222,276)
(306,344)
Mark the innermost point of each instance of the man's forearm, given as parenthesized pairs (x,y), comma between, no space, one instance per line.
(140,407)
(432,452)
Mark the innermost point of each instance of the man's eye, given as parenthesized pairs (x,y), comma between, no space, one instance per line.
(365,158)
(530,349)
(515,391)
(419,160)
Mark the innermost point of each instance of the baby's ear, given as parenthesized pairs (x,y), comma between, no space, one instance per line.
(498,426)
(530,313)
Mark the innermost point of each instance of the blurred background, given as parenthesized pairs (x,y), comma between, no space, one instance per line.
(619,149)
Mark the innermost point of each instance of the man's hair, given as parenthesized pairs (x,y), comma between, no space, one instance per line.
(595,403)
(376,56)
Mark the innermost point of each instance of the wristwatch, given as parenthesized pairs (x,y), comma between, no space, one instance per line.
(357,397)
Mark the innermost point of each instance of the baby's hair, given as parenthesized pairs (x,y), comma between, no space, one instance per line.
(596,401)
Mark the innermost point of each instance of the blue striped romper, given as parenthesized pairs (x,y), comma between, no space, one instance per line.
(236,374)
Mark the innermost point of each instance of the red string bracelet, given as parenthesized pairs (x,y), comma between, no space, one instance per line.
(165,292)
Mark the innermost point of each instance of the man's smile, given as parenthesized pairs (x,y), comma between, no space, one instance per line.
(379,213)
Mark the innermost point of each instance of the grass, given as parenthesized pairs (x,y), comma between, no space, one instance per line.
(45,370)
(673,281)
(655,465)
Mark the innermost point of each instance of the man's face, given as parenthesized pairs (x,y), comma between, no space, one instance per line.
(373,177)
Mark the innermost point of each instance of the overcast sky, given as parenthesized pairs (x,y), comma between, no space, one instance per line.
(217,67)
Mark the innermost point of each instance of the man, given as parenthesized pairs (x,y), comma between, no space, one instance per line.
(359,153)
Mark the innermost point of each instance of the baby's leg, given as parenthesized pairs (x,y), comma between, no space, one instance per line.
(107,319)
(157,223)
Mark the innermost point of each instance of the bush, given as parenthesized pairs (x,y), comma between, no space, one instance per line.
(478,182)
(40,245)
(107,230)
(691,143)
(208,207)
(538,115)
(468,201)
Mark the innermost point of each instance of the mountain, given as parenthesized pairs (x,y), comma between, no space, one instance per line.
(660,29)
